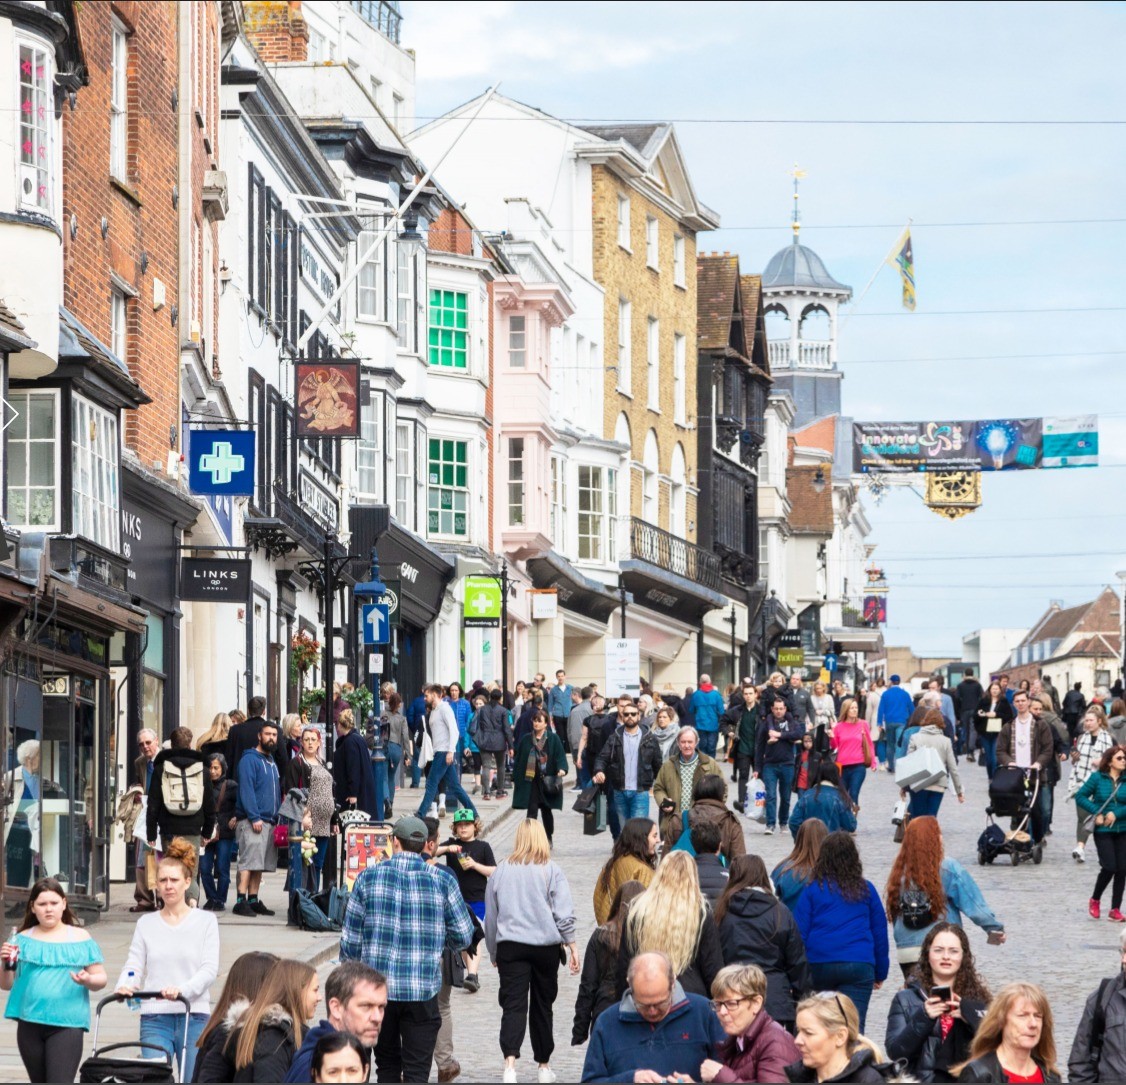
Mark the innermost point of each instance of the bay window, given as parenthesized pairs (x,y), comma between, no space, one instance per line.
(591,506)
(95,500)
(35,180)
(369,453)
(33,463)
(404,475)
(516,481)
(448,488)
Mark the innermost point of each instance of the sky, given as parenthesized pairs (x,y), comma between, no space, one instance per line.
(1012,320)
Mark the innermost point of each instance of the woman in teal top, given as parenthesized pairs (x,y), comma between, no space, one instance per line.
(58,965)
(1103,795)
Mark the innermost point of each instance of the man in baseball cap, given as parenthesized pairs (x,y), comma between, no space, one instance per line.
(400,916)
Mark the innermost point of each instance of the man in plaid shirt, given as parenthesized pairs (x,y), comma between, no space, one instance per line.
(402,913)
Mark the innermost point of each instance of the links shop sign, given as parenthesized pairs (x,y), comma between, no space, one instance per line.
(215,580)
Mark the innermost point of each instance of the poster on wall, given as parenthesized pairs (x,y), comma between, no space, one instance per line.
(364,846)
(623,667)
(328,399)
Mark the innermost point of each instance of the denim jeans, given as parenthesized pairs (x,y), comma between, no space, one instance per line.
(394,758)
(778,780)
(852,776)
(437,773)
(613,822)
(308,877)
(708,740)
(925,803)
(989,749)
(215,870)
(631,804)
(167,1031)
(851,978)
(891,736)
(416,768)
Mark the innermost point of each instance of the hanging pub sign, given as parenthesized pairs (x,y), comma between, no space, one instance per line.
(328,398)
(221,461)
(215,580)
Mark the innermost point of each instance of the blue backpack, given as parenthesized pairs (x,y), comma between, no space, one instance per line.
(310,917)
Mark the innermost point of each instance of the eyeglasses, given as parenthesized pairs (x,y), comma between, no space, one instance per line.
(728,1004)
(659,1005)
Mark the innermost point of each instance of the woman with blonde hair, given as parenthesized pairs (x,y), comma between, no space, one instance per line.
(1014,1041)
(174,951)
(269,1033)
(672,917)
(526,927)
(1094,740)
(214,740)
(831,1045)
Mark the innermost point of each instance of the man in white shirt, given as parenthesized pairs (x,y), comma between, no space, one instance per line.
(1027,743)
(444,735)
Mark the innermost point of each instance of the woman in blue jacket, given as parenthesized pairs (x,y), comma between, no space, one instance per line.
(825,799)
(843,925)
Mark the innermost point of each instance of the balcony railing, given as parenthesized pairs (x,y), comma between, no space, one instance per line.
(809,356)
(384,15)
(674,555)
(852,617)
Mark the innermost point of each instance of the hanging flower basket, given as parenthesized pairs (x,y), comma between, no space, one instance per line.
(360,701)
(311,701)
(304,652)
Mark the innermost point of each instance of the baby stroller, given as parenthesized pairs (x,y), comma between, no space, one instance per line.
(1013,793)
(152,1062)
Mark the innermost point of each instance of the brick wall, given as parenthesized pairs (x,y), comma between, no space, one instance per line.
(138,210)
(451,232)
(277,29)
(652,293)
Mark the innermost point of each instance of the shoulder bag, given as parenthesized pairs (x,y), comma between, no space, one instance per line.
(1089,825)
(866,744)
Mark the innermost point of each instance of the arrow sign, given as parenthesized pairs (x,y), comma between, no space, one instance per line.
(376,623)
(830,663)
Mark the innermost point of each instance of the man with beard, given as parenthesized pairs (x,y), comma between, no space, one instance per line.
(256,810)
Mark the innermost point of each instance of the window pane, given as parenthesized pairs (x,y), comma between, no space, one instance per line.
(41,413)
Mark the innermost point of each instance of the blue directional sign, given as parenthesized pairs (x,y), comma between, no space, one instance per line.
(376,622)
(830,662)
(221,461)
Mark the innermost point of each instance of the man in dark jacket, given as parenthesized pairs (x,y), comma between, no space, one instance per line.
(356,999)
(181,800)
(351,769)
(630,759)
(149,745)
(1098,1052)
(244,736)
(494,739)
(1074,705)
(774,761)
(801,703)
(968,696)
(706,839)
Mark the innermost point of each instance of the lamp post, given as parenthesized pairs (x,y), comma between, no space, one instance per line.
(765,652)
(733,619)
(1121,574)
(622,596)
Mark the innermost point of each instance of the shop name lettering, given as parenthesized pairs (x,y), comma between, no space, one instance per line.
(321,280)
(934,439)
(130,533)
(319,502)
(662,598)
(215,577)
(408,572)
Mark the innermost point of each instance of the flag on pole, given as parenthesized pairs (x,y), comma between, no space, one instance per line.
(904,259)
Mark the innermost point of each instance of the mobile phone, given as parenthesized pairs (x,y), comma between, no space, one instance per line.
(941,992)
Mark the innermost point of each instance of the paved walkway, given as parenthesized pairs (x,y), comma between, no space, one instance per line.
(1051,939)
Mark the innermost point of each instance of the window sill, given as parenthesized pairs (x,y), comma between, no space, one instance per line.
(625,248)
(651,409)
(653,268)
(126,189)
(681,286)
(624,392)
(680,423)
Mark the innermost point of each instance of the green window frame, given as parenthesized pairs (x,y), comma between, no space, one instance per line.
(449,329)
(447,505)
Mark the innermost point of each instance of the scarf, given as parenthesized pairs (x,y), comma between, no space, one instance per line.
(687,772)
(665,736)
(537,756)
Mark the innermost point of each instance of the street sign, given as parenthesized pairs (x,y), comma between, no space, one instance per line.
(375,663)
(790,650)
(215,580)
(623,667)
(482,602)
(830,663)
(391,599)
(221,461)
(376,623)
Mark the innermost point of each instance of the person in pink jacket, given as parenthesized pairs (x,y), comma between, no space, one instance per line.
(853,746)
(757,1047)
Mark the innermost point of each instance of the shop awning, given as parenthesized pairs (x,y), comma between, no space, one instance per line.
(423,573)
(577,592)
(669,593)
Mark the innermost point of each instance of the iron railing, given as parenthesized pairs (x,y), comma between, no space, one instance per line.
(675,555)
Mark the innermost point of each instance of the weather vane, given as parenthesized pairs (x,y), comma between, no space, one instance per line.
(797,173)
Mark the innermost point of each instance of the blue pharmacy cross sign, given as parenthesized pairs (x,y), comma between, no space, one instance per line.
(830,662)
(376,622)
(221,462)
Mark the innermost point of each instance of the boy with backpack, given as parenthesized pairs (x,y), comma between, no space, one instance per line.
(181,801)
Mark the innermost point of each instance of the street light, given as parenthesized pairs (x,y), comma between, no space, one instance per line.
(410,241)
(819,481)
(1121,574)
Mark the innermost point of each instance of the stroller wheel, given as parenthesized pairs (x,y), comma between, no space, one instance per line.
(1038,854)
(1015,856)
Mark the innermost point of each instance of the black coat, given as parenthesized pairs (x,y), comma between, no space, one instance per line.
(1003,709)
(862,1067)
(227,790)
(770,695)
(988,1068)
(597,986)
(170,824)
(273,1050)
(967,697)
(352,774)
(493,733)
(611,760)
(713,875)
(1074,704)
(759,929)
(697,978)
(916,1038)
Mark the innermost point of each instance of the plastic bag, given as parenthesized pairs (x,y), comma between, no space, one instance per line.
(756,801)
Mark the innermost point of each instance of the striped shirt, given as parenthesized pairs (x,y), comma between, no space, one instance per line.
(401,914)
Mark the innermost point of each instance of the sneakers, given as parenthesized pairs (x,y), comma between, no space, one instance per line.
(441,811)
(547,1074)
(509,1074)
(433,811)
(576,790)
(243,908)
(1093,909)
(1115,916)
(768,831)
(1077,853)
(471,983)
(261,909)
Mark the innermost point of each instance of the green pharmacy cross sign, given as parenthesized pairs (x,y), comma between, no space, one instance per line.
(482,602)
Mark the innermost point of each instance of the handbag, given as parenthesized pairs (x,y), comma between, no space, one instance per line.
(584,804)
(993,726)
(551,786)
(281,835)
(901,829)
(1089,825)
(866,745)
(684,841)
(594,820)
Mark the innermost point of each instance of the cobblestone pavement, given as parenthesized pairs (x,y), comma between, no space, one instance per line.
(1051,939)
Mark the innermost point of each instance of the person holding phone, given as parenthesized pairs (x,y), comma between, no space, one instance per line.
(933,1020)
(994,710)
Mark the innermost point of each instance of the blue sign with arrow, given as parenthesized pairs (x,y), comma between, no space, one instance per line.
(830,663)
(376,622)
(221,461)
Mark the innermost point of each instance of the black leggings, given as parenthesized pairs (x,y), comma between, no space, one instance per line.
(49,1053)
(537,804)
(1112,864)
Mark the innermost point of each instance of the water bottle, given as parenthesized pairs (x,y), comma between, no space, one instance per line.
(131,981)
(10,962)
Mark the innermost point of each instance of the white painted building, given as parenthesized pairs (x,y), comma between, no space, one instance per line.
(987,649)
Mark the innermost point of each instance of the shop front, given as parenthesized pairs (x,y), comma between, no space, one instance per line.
(421,575)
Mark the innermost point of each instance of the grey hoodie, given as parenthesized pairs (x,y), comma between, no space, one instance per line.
(535,908)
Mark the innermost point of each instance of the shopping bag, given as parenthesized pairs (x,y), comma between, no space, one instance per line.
(594,820)
(587,798)
(900,812)
(756,805)
(919,769)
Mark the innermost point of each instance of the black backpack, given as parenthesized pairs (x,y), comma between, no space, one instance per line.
(915,908)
